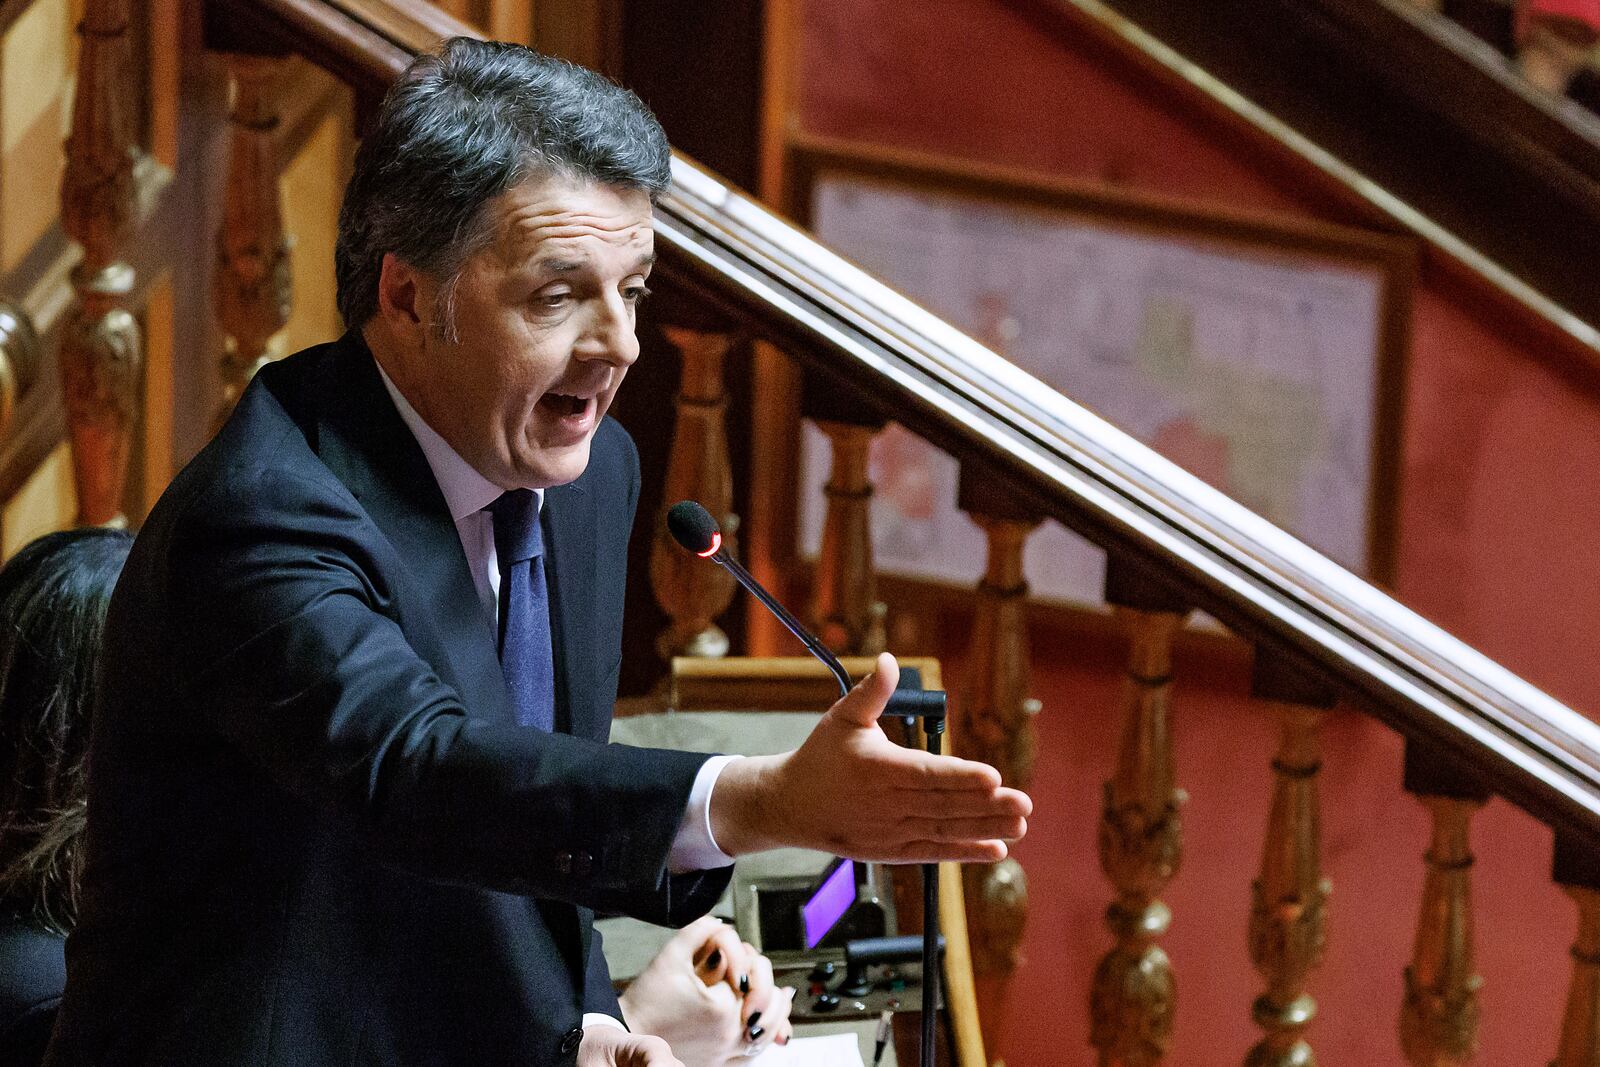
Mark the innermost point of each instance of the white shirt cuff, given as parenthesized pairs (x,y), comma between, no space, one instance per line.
(595,1018)
(694,849)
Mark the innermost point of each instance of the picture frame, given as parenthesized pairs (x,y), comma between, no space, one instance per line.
(1265,354)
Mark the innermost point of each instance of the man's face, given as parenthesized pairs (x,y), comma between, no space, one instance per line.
(544,321)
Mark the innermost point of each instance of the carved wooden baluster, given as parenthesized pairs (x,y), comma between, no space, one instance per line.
(1577,870)
(253,287)
(844,594)
(1141,836)
(101,351)
(995,725)
(845,611)
(1287,916)
(690,591)
(1439,1019)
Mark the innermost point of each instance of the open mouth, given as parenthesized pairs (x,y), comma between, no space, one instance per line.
(564,405)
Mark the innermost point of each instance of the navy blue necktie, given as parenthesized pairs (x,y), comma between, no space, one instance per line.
(525,653)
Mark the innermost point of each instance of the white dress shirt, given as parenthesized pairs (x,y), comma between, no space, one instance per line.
(466,494)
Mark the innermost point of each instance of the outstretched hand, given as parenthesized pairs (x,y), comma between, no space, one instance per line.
(851,791)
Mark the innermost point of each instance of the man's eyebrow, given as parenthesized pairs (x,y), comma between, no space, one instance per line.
(555,266)
(568,266)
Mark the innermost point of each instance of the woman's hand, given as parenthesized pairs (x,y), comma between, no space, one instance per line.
(710,996)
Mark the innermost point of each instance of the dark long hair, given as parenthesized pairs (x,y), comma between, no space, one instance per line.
(53,598)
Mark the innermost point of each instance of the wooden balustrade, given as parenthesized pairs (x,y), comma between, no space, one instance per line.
(845,611)
(1577,870)
(1134,993)
(1289,898)
(252,288)
(995,724)
(101,352)
(692,593)
(1439,1015)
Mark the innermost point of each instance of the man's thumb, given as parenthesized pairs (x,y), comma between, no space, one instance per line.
(863,704)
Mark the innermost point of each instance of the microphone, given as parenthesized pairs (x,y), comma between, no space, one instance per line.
(692,526)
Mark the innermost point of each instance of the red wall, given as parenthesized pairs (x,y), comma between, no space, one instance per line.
(1496,506)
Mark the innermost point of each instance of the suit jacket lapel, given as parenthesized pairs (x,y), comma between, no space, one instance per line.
(569,518)
(367,445)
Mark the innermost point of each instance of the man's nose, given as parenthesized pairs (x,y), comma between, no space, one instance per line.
(613,338)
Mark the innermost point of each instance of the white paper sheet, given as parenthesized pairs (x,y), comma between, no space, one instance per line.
(834,1050)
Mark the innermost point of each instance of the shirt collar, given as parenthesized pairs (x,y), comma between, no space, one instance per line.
(466,492)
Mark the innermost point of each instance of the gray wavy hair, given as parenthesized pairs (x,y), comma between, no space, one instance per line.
(463,125)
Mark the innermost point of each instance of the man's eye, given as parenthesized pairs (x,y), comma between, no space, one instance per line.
(635,294)
(552,300)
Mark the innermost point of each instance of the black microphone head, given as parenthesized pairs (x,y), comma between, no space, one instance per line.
(693,527)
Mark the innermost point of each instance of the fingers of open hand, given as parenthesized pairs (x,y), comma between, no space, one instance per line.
(916,851)
(952,829)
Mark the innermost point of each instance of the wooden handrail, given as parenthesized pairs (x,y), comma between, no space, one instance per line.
(1063,460)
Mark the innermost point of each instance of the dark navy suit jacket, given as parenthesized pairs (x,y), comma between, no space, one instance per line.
(316,834)
(32,974)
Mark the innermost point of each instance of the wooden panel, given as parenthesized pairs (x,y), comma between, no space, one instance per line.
(165,33)
(45,503)
(763,684)
(309,191)
(33,81)
(510,20)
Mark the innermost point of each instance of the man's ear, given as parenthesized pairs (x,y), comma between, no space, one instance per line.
(403,293)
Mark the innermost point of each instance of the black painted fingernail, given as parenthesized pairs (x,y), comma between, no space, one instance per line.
(714,959)
(755,1017)
(744,983)
(755,1032)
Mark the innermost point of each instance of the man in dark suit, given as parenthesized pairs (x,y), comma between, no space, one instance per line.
(348,801)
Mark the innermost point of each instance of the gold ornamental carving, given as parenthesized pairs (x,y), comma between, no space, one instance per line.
(1134,993)
(253,288)
(101,360)
(845,609)
(1439,1018)
(98,200)
(995,724)
(997,897)
(1289,899)
(692,593)
(1133,996)
(101,351)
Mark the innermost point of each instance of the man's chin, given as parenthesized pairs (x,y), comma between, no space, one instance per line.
(554,467)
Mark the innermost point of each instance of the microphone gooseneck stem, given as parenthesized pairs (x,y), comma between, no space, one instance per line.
(930,943)
(815,647)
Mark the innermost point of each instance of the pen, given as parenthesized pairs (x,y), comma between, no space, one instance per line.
(883,1038)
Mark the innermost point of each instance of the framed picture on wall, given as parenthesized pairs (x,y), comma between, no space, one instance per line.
(1263,355)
